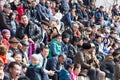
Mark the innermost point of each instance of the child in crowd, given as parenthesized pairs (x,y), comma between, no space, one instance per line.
(18,57)
(6,36)
(65,73)
(76,71)
(35,71)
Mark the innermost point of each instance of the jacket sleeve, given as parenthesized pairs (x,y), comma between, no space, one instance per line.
(4,22)
(54,51)
(79,58)
(19,32)
(44,76)
(40,11)
(53,66)
(36,33)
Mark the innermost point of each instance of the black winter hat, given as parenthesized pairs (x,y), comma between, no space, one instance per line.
(65,35)
(86,46)
(76,39)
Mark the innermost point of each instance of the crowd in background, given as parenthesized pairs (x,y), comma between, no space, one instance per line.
(59,40)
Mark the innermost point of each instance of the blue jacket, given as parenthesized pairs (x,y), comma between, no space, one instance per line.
(36,73)
(64,75)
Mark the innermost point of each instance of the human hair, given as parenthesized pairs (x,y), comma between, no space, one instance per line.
(16,53)
(3,50)
(12,64)
(57,35)
(116,53)
(77,66)
(62,55)
(69,66)
(45,47)
(24,66)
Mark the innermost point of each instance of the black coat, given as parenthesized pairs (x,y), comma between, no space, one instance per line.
(32,31)
(4,21)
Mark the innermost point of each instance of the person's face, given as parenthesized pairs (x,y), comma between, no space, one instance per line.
(66,40)
(8,10)
(45,27)
(1,69)
(25,38)
(102,9)
(42,1)
(75,29)
(53,4)
(15,72)
(18,58)
(16,2)
(7,36)
(59,39)
(45,52)
(48,3)
(1,4)
(77,70)
(14,16)
(34,4)
(70,70)
(62,60)
(14,45)
(25,48)
(24,20)
(99,39)
(24,70)
(35,61)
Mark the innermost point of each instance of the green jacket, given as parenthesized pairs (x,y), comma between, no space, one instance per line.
(55,48)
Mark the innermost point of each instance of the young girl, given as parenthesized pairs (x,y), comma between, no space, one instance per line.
(76,71)
(6,36)
(35,71)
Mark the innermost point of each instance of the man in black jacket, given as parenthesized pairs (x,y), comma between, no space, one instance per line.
(29,28)
(4,17)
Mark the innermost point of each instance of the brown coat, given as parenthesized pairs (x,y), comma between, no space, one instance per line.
(117,72)
(82,59)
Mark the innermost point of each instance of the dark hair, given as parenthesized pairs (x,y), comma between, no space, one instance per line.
(45,47)
(116,53)
(56,9)
(24,66)
(23,78)
(15,53)
(116,60)
(12,64)
(62,55)
(57,35)
(77,66)
(70,66)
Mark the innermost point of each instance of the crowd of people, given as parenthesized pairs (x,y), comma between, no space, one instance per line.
(59,40)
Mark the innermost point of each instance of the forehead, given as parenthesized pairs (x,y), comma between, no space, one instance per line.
(24,16)
(16,66)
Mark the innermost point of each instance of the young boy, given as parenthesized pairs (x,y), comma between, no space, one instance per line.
(34,71)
